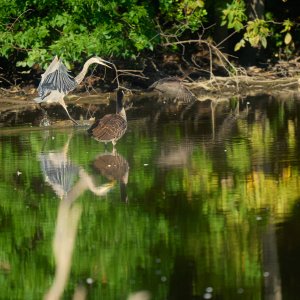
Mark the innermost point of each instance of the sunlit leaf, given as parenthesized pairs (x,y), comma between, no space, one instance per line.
(239,45)
(288,38)
(263,41)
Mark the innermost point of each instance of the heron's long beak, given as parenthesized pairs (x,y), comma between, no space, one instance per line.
(104,62)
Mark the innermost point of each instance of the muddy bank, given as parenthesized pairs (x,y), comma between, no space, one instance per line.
(18,108)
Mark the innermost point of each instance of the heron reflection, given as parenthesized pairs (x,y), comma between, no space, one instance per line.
(68,181)
(113,166)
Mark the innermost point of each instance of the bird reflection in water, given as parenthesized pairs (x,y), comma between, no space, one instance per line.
(69,182)
(175,156)
(114,166)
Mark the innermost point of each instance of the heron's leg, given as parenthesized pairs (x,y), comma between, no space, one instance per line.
(63,104)
(42,109)
(45,120)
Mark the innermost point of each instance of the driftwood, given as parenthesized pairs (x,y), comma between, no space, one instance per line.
(220,88)
(246,84)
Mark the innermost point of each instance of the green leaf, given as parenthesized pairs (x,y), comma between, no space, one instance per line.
(239,45)
(263,41)
(288,38)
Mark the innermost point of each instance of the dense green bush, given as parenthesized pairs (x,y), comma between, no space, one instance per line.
(33,31)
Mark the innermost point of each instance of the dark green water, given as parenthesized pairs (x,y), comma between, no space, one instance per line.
(200,204)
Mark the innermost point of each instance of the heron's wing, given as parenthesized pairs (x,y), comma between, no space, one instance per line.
(56,78)
(51,68)
(60,174)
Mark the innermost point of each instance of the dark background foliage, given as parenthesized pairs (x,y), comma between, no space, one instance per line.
(132,31)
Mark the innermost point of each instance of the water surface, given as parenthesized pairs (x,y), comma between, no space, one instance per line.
(196,203)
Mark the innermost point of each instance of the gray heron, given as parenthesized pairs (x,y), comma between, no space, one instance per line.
(56,82)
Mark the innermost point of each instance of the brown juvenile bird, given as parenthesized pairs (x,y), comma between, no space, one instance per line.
(111,127)
(172,88)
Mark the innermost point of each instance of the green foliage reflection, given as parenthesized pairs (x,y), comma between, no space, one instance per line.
(193,220)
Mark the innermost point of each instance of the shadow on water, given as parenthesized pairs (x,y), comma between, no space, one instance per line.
(288,244)
(199,201)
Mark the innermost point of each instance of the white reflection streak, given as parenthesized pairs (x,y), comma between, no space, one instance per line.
(63,244)
(65,232)
(80,293)
(140,295)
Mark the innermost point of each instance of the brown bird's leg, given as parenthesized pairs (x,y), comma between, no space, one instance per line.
(114,151)
(63,104)
(105,147)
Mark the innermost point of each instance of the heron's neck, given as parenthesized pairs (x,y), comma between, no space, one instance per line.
(84,70)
